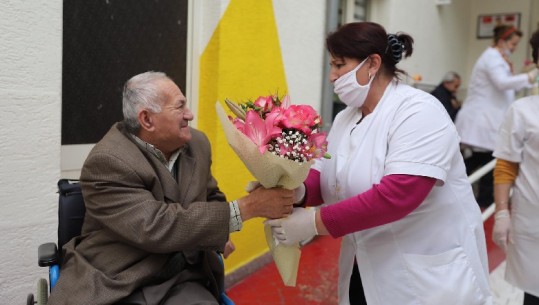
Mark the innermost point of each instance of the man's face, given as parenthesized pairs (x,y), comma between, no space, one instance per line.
(172,123)
(452,86)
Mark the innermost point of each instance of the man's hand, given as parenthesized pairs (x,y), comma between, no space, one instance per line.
(501,234)
(269,203)
(299,192)
(229,248)
(295,228)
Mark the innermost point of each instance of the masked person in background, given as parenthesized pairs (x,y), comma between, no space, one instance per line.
(395,188)
(490,92)
(515,228)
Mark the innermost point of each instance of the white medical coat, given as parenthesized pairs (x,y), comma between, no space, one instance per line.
(436,255)
(491,90)
(518,142)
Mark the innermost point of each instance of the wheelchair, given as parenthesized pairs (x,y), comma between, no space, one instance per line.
(71,212)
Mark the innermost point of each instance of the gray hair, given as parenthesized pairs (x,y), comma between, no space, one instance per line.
(450,76)
(141,92)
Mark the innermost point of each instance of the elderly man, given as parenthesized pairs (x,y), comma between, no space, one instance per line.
(446,93)
(155,217)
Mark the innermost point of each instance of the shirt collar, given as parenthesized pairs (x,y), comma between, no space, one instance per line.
(159,154)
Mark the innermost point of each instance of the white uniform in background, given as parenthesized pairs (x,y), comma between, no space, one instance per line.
(491,90)
(518,142)
(434,256)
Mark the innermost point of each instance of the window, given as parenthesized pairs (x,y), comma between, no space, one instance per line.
(104,44)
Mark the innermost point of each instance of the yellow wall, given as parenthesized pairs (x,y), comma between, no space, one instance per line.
(241,61)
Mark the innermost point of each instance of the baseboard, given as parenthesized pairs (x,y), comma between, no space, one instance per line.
(239,274)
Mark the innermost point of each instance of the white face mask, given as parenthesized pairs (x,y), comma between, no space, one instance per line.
(349,90)
(506,51)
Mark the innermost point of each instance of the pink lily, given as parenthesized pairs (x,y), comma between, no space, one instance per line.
(260,131)
(239,123)
(319,145)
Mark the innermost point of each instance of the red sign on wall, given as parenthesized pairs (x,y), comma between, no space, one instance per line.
(487,23)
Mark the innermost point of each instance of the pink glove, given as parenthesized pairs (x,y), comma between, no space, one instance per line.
(501,234)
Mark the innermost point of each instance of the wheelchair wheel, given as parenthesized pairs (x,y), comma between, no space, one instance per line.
(30,299)
(42,292)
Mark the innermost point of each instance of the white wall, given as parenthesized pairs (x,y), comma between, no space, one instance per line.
(30,109)
(445,35)
(440,34)
(534,16)
(301,27)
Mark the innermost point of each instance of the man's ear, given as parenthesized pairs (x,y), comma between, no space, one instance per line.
(145,120)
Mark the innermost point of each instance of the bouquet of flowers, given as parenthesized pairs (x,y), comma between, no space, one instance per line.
(277,142)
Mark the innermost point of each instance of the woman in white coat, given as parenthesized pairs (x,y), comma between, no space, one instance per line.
(515,228)
(491,90)
(396,187)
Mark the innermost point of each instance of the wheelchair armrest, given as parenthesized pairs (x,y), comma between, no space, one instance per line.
(47,255)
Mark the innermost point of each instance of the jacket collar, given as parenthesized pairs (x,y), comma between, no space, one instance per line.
(173,191)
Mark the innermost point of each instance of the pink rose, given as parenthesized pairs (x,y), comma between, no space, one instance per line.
(301,117)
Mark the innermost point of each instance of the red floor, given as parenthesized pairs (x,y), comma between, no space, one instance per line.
(317,278)
(316,282)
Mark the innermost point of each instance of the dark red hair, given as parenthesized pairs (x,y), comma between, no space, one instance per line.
(505,32)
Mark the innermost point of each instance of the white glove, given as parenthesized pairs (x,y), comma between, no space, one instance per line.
(299,193)
(501,234)
(299,226)
(532,75)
